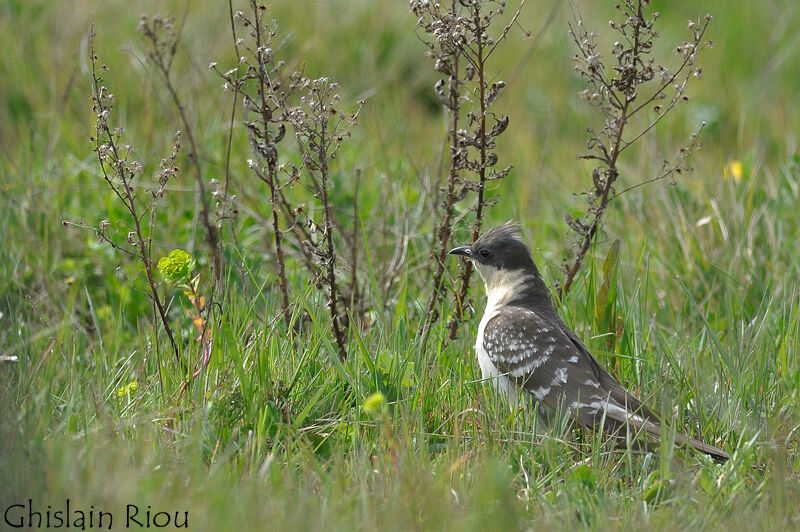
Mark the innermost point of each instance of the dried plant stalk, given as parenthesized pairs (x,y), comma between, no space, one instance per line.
(120,173)
(309,106)
(620,93)
(459,40)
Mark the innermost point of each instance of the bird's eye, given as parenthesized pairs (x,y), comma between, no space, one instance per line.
(484,253)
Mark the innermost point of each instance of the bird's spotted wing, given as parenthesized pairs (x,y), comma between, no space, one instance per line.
(542,358)
(617,394)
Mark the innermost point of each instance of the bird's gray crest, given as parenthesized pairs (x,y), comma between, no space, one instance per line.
(503,248)
(511,230)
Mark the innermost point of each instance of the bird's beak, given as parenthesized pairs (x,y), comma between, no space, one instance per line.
(463,250)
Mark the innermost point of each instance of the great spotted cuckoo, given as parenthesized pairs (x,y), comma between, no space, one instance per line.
(527,351)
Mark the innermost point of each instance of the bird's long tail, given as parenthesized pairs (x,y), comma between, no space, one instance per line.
(714,452)
(654,428)
(649,423)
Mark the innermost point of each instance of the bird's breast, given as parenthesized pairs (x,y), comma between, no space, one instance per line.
(489,372)
(488,369)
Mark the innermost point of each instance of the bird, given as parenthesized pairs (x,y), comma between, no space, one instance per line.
(527,351)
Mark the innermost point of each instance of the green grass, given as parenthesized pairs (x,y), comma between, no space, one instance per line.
(705,296)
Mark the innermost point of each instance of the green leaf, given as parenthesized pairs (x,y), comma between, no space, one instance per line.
(607,288)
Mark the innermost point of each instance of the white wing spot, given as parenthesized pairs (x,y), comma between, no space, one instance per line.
(528,368)
(541,392)
(561,375)
(624,412)
(593,407)
(573,359)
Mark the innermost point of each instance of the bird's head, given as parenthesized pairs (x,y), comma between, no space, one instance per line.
(500,249)
(507,268)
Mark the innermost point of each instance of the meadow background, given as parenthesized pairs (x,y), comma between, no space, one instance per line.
(276,432)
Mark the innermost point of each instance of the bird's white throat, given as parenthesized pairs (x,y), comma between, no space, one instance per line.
(500,285)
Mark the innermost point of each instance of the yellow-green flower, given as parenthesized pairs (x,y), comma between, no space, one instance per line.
(128,389)
(177,266)
(374,404)
(734,170)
